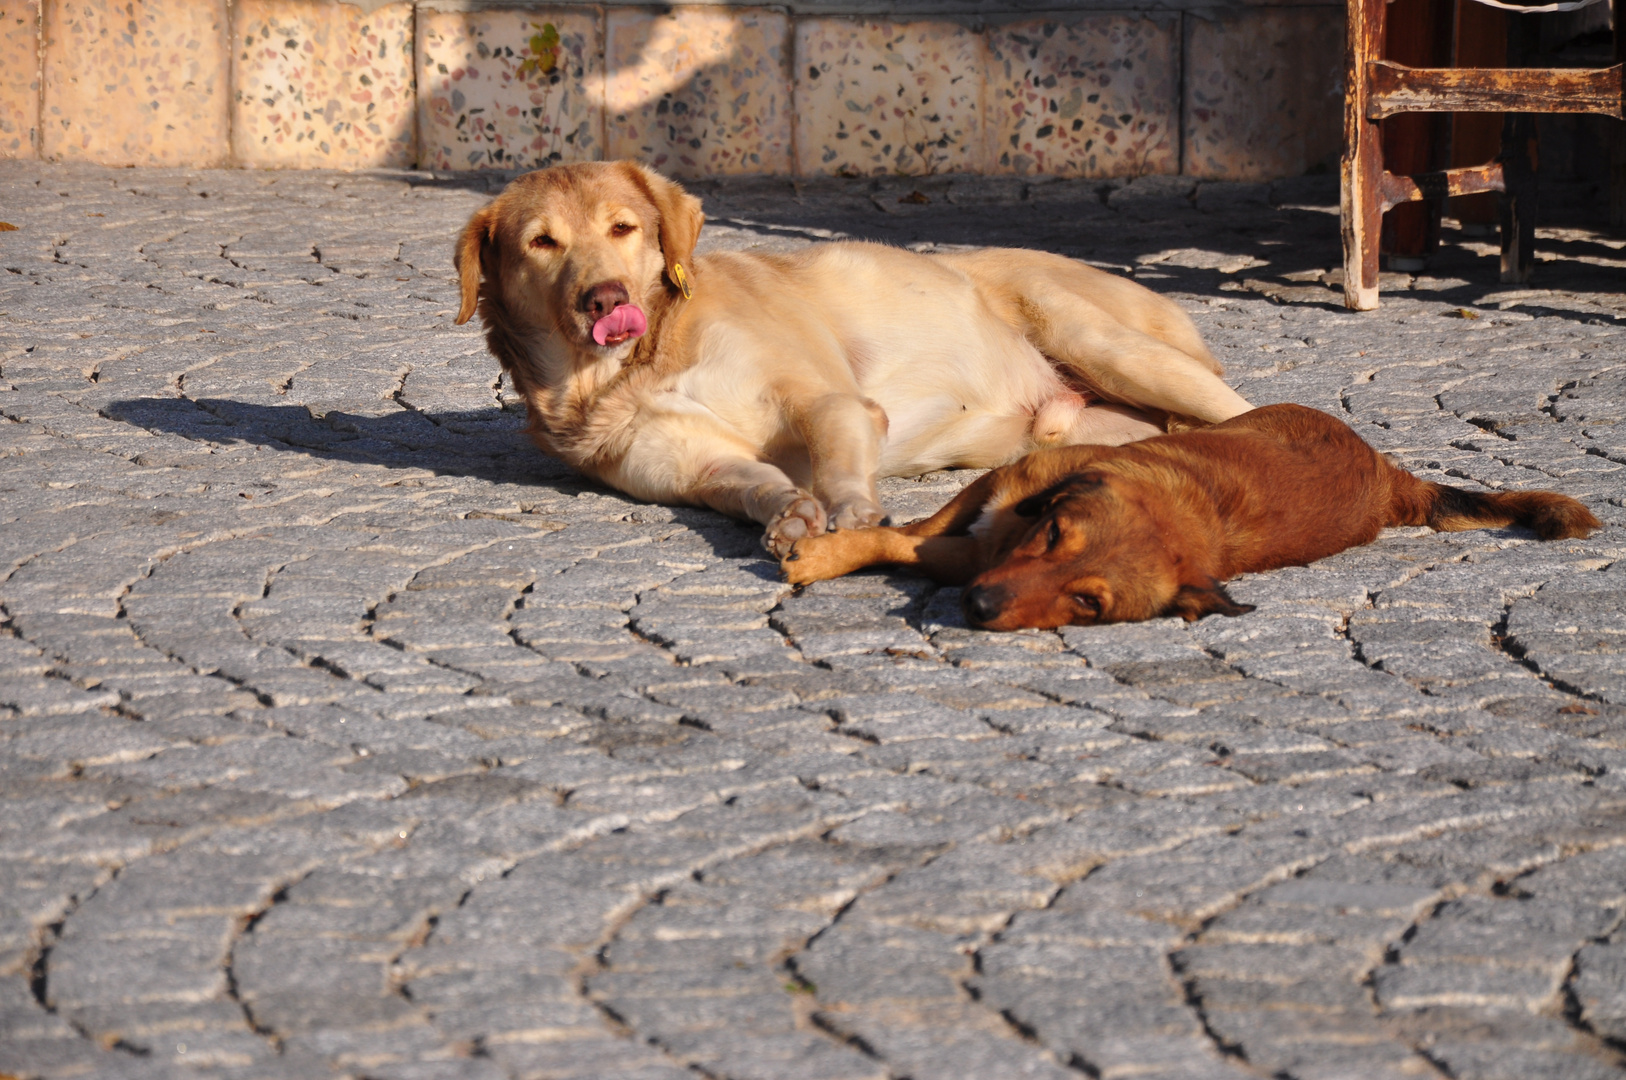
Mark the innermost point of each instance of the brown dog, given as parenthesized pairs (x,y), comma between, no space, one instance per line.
(1091,534)
(779,387)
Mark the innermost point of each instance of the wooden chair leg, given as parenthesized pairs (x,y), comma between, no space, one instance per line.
(1617,173)
(1363,218)
(1519,159)
(1617,154)
(1363,160)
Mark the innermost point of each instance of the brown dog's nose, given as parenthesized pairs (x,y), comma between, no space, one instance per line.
(602,298)
(982,603)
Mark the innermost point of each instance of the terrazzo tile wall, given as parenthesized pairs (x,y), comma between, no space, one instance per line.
(699,91)
(19,78)
(510,88)
(1250,92)
(879,98)
(322,85)
(1096,97)
(139,82)
(1254,111)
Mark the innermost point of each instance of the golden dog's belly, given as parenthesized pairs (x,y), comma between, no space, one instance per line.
(959,384)
(945,431)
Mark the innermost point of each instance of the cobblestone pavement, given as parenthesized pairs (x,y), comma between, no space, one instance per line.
(347,736)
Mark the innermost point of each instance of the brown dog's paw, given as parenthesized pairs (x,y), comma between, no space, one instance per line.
(812,559)
(857,514)
(802,518)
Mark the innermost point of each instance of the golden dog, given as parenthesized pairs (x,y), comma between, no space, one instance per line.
(779,387)
(1093,534)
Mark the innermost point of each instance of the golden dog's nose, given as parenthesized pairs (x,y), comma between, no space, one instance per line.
(602,298)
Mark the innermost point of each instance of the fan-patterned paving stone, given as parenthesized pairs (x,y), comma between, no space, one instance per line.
(342,733)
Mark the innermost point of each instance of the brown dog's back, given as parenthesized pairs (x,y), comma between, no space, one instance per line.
(1295,485)
(1286,486)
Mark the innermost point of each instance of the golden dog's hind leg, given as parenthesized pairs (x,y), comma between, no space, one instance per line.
(1108,425)
(1125,364)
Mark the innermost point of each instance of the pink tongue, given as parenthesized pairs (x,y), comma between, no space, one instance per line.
(626,319)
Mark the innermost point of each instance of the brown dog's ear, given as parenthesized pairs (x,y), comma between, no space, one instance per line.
(1192,602)
(1037,505)
(469,257)
(681,220)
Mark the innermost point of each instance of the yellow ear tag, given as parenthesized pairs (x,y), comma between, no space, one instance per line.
(682,280)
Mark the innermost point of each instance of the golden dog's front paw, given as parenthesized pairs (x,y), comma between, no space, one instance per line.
(857,514)
(802,518)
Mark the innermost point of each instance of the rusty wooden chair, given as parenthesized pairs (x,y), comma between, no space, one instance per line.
(1376,88)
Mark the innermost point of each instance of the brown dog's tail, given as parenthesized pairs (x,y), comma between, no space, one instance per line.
(1449,509)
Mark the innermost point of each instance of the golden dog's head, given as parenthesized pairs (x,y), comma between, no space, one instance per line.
(584,251)
(1102,550)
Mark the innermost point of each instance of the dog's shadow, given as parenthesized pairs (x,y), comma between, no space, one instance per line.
(488,445)
(485,444)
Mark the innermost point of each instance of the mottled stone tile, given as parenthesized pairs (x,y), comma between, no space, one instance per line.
(1264,92)
(699,91)
(143,83)
(19,78)
(876,98)
(322,85)
(1095,97)
(509,88)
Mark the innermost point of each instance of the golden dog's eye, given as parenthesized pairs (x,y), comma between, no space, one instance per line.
(544,241)
(1089,602)
(621,228)
(1054,536)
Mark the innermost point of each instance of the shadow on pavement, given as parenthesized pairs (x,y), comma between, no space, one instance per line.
(482,444)
(488,444)
(1279,240)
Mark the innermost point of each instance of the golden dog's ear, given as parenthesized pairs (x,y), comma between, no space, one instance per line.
(681,220)
(1038,505)
(470,257)
(1192,602)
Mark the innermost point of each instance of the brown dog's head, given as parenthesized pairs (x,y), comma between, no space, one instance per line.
(1100,551)
(579,250)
